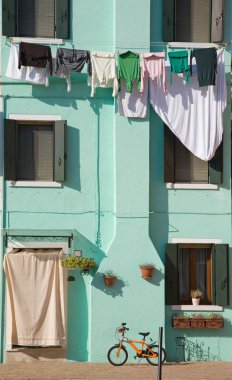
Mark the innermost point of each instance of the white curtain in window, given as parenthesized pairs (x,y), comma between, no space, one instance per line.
(36,298)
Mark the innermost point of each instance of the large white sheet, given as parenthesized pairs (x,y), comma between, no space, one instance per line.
(194,114)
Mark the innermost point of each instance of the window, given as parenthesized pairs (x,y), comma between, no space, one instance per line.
(196,266)
(35,151)
(193,20)
(181,166)
(195,272)
(36,18)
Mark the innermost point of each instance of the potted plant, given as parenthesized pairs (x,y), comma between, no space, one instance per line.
(214,321)
(109,278)
(181,321)
(197,321)
(147,270)
(195,295)
(70,263)
(84,263)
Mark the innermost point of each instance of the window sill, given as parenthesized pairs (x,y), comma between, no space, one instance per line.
(197,308)
(191,45)
(193,186)
(37,40)
(34,184)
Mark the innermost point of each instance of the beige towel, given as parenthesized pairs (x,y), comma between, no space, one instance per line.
(36,297)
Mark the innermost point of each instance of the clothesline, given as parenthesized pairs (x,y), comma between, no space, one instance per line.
(190,45)
(130,74)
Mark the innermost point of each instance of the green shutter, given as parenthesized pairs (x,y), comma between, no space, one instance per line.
(9,18)
(169,158)
(217,21)
(171,275)
(216,166)
(168,20)
(62,18)
(220,280)
(59,150)
(10,150)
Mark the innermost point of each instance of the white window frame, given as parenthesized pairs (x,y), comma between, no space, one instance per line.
(34,117)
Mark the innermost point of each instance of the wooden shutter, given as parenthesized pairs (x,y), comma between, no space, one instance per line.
(36,18)
(59,150)
(168,20)
(171,275)
(189,168)
(217,22)
(62,19)
(9,18)
(169,146)
(10,150)
(220,275)
(193,20)
(216,166)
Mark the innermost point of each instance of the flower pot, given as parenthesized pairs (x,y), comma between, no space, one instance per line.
(197,323)
(179,323)
(214,323)
(195,301)
(109,281)
(146,271)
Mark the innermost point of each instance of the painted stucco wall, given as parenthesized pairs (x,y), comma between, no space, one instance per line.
(114,195)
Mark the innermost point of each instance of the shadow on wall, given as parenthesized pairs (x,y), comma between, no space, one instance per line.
(78,296)
(158,197)
(115,291)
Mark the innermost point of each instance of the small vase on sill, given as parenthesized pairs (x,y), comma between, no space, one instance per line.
(195,301)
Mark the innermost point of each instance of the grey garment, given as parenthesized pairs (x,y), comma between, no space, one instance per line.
(73,60)
(62,72)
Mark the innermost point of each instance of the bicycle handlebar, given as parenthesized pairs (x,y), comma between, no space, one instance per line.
(124,326)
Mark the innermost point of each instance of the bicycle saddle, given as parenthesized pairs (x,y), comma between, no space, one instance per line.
(144,334)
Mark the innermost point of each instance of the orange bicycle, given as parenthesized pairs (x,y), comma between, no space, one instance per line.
(118,355)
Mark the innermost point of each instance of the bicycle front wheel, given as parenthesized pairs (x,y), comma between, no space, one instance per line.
(117,356)
(154,354)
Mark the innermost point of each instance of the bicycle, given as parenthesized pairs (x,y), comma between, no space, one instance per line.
(118,355)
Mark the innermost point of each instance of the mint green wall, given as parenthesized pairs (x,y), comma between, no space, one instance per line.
(114,197)
(193,214)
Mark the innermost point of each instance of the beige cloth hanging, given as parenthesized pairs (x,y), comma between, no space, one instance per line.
(36,297)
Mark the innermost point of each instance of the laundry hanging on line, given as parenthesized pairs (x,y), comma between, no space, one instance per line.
(35,55)
(130,80)
(103,72)
(194,114)
(206,61)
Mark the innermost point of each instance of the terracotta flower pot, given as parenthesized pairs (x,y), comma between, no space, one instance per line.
(109,281)
(179,323)
(146,271)
(214,323)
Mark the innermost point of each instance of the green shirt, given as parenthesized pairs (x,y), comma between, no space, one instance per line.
(179,63)
(129,69)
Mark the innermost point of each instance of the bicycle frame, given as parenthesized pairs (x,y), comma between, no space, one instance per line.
(140,352)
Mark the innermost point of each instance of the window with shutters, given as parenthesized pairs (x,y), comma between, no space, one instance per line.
(195,272)
(193,20)
(34,151)
(197,266)
(181,166)
(36,18)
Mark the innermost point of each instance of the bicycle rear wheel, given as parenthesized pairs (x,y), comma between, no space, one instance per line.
(154,360)
(117,356)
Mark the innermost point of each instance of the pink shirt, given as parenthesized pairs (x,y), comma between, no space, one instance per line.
(153,66)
